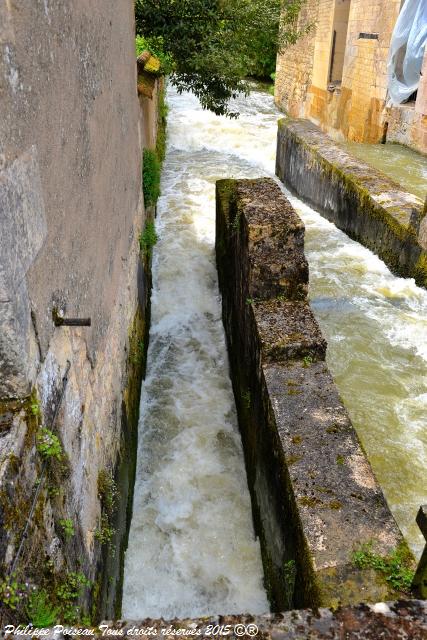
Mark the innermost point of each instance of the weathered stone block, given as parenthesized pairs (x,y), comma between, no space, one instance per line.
(287,330)
(274,237)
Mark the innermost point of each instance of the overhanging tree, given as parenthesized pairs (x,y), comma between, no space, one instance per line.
(211,45)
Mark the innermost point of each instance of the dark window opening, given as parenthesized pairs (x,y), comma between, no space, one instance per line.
(339,39)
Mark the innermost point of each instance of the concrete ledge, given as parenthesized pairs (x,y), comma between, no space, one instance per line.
(360,200)
(315,498)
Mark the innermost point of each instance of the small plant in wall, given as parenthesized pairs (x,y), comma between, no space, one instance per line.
(307,361)
(67,527)
(40,611)
(67,595)
(107,494)
(35,408)
(105,532)
(107,491)
(48,444)
(246,398)
(150,177)
(148,238)
(11,592)
(396,568)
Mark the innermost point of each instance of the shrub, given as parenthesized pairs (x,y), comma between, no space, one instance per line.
(48,444)
(150,177)
(148,238)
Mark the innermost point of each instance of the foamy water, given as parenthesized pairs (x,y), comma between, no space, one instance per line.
(192,549)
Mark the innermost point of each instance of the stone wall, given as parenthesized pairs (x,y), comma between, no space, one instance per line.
(361,201)
(71,210)
(406,620)
(315,498)
(350,104)
(294,68)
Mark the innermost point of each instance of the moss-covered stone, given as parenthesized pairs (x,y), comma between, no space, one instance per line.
(360,200)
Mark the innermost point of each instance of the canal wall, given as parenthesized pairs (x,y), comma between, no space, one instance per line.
(315,498)
(71,213)
(360,200)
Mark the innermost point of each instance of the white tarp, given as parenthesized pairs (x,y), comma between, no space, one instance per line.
(407,50)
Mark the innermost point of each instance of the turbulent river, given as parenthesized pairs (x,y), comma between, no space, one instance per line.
(192,549)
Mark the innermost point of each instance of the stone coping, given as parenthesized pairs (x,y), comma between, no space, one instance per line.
(365,203)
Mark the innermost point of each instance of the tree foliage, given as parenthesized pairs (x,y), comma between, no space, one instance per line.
(212,45)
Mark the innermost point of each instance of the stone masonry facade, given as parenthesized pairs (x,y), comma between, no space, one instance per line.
(336,75)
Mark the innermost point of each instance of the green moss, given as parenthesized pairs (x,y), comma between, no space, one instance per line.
(335,504)
(235,225)
(421,270)
(290,460)
(308,501)
(161,124)
(296,439)
(340,460)
(334,428)
(246,399)
(324,490)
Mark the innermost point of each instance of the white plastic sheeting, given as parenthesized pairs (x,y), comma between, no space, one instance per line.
(407,50)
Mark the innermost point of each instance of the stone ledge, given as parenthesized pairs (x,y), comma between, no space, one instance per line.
(315,498)
(406,620)
(287,331)
(360,200)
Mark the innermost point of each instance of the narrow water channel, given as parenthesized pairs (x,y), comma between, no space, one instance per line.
(192,549)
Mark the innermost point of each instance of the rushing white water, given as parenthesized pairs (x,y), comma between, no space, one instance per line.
(191,548)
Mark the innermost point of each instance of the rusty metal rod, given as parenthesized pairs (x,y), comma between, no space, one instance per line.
(72,322)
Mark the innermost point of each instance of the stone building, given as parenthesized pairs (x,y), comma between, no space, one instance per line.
(71,212)
(336,75)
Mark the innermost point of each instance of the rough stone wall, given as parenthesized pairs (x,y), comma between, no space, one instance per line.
(294,67)
(315,498)
(71,210)
(355,106)
(406,620)
(364,203)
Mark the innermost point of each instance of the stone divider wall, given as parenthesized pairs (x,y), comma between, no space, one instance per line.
(360,200)
(315,498)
